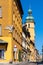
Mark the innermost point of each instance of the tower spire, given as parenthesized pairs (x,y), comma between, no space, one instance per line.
(30,10)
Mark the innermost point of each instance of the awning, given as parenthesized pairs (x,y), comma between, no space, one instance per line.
(3,42)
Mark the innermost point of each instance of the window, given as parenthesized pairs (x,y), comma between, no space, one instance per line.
(21,33)
(28,25)
(0,30)
(0,12)
(2,54)
(17,19)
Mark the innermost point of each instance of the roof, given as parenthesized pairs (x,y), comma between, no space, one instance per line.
(29,17)
(18,3)
(30,11)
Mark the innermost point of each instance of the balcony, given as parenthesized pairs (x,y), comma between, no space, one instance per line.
(28,50)
(32,43)
(24,49)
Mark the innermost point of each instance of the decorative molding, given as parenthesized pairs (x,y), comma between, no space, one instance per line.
(10,28)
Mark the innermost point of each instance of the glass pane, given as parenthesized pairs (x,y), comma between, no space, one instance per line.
(2,55)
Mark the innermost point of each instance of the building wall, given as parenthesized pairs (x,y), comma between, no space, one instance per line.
(10,16)
(17,22)
(6,18)
(7,55)
(17,33)
(32,54)
(31,27)
(5,21)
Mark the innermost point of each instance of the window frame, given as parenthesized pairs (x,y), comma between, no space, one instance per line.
(0,12)
(28,25)
(0,30)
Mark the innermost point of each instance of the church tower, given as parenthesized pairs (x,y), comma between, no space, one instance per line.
(30,25)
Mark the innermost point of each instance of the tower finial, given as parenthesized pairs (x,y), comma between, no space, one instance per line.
(30,10)
(29,6)
(30,17)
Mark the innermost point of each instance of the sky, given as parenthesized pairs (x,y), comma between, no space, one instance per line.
(37,12)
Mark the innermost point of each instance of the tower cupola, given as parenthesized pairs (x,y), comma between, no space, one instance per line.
(30,17)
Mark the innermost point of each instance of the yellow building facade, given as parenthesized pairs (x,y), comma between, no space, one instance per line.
(10,30)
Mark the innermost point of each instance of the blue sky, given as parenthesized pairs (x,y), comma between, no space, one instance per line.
(37,12)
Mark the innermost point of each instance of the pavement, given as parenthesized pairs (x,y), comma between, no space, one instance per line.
(22,63)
